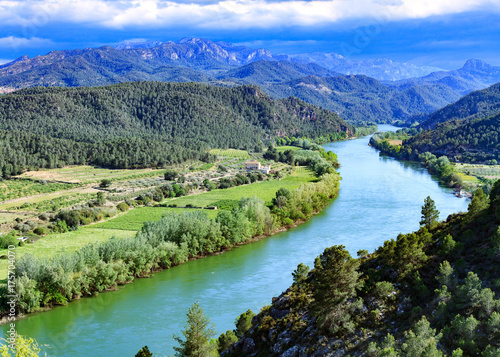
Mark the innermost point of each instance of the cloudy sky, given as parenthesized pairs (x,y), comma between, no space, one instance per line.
(443,33)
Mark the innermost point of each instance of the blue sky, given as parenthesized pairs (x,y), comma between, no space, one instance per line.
(442,33)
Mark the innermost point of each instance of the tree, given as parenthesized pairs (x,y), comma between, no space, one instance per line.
(23,346)
(170,175)
(105,183)
(226,340)
(479,202)
(335,280)
(197,334)
(422,341)
(430,214)
(144,352)
(300,274)
(243,323)
(100,198)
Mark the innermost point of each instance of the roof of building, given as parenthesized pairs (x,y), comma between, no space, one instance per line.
(252,162)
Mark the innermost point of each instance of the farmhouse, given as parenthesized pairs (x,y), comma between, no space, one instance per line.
(255,165)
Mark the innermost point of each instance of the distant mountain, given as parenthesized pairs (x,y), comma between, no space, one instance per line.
(361,98)
(92,67)
(268,72)
(381,68)
(478,104)
(223,64)
(474,75)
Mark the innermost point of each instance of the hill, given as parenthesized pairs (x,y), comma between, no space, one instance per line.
(473,140)
(145,124)
(433,292)
(478,104)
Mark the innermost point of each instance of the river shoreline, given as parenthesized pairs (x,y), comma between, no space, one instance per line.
(4,319)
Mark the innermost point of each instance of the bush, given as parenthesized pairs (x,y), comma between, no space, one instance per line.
(7,240)
(123,206)
(41,231)
(170,175)
(105,183)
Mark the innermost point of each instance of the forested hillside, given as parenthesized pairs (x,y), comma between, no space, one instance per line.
(356,98)
(269,72)
(473,140)
(478,104)
(363,99)
(145,124)
(433,292)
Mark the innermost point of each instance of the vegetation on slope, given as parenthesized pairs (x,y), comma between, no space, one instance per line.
(146,124)
(478,104)
(362,99)
(433,292)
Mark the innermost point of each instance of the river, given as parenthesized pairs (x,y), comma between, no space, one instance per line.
(379,197)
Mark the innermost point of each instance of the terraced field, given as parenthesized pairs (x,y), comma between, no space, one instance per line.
(89,174)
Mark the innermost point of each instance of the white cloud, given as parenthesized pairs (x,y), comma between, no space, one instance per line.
(21,42)
(4,61)
(227,14)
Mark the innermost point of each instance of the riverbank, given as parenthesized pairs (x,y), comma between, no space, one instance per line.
(158,246)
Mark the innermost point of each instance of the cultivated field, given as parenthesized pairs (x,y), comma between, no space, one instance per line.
(230,153)
(52,190)
(89,174)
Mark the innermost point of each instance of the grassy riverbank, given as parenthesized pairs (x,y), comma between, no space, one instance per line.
(170,241)
(127,224)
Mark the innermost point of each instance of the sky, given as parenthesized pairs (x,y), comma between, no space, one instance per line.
(440,33)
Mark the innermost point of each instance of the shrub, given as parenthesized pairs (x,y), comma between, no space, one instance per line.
(123,206)
(41,231)
(7,240)
(105,183)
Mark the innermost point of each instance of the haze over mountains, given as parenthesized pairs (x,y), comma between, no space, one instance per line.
(324,79)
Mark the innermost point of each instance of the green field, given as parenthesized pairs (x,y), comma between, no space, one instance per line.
(487,171)
(285,148)
(126,224)
(69,242)
(264,189)
(135,219)
(10,189)
(89,174)
(230,153)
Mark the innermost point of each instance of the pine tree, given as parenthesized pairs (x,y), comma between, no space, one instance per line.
(144,352)
(197,335)
(430,214)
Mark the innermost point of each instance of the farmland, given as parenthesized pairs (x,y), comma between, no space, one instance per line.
(89,174)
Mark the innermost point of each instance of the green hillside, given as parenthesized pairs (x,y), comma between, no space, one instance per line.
(478,104)
(362,99)
(433,292)
(147,124)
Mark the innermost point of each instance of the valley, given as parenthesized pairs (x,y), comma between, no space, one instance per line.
(146,179)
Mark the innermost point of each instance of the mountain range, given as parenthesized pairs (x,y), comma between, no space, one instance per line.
(320,79)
